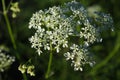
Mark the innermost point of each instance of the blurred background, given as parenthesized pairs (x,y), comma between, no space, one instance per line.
(106,53)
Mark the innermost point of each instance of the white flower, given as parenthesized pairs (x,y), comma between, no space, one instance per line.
(5,61)
(50,27)
(57,26)
(78,57)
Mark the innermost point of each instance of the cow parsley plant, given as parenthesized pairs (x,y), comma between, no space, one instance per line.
(57,26)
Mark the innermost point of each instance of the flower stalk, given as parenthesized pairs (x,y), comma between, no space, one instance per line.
(8,24)
(49,63)
(5,11)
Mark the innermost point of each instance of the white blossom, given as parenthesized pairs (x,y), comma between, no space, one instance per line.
(5,61)
(78,56)
(54,27)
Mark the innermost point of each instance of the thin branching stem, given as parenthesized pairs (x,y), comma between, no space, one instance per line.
(49,63)
(9,5)
(5,11)
(8,24)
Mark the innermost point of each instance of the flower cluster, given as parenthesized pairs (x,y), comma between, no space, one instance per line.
(15,9)
(79,57)
(104,21)
(5,61)
(57,25)
(27,68)
(52,28)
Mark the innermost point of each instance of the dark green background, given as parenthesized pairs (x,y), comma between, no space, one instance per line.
(106,53)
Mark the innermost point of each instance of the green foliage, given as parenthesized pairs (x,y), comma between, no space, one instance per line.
(106,53)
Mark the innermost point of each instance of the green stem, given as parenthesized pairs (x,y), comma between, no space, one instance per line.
(10,31)
(9,5)
(49,63)
(8,24)
(116,48)
(25,77)
(9,28)
(3,5)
